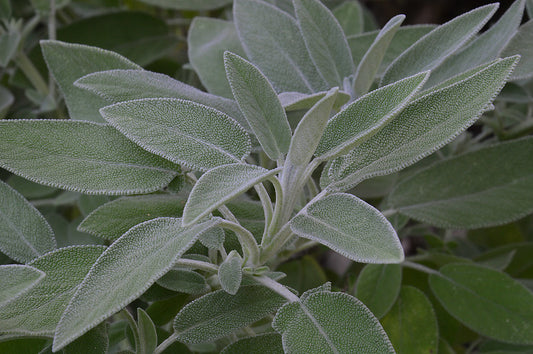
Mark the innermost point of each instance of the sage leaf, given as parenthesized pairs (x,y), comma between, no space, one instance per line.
(181,131)
(68,62)
(9,42)
(363,118)
(272,41)
(521,44)
(411,323)
(293,101)
(325,41)
(432,49)
(350,227)
(184,281)
(350,17)
(80,156)
(269,343)
(218,314)
(416,132)
(207,41)
(94,341)
(213,239)
(124,271)
(220,185)
(486,187)
(6,100)
(196,5)
(16,279)
(378,286)
(260,105)
(24,232)
(147,332)
(230,273)
(37,311)
(467,290)
(328,322)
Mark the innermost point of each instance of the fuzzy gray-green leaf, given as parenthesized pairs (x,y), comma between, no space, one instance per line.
(16,279)
(293,101)
(522,43)
(184,281)
(147,332)
(230,273)
(350,17)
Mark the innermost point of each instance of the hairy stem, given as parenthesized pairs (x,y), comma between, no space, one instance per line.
(166,343)
(246,239)
(194,264)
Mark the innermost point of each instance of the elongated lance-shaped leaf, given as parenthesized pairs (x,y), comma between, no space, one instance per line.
(37,311)
(272,41)
(124,271)
(24,232)
(207,40)
(486,187)
(326,322)
(325,41)
(220,185)
(218,314)
(68,62)
(293,101)
(181,131)
(366,116)
(196,5)
(521,44)
(432,49)
(147,332)
(269,343)
(260,105)
(417,132)
(350,17)
(184,281)
(467,290)
(80,156)
(369,65)
(230,273)
(16,279)
(126,85)
(351,227)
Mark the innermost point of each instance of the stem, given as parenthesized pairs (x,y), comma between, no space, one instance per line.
(419,267)
(274,224)
(131,321)
(278,241)
(192,263)
(166,343)
(227,214)
(277,287)
(389,212)
(27,67)
(246,239)
(52,35)
(267,204)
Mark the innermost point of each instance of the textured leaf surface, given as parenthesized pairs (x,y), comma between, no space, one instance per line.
(17,279)
(24,232)
(350,227)
(432,49)
(188,4)
(80,156)
(220,185)
(273,42)
(181,131)
(411,323)
(126,269)
(350,16)
(184,281)
(68,62)
(487,301)
(37,311)
(522,43)
(378,286)
(416,131)
(486,187)
(147,332)
(260,105)
(265,344)
(218,314)
(230,273)
(328,322)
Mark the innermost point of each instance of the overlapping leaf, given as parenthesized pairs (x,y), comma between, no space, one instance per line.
(269,343)
(378,286)
(350,17)
(184,281)
(293,101)
(521,44)
(147,332)
(230,273)
(17,279)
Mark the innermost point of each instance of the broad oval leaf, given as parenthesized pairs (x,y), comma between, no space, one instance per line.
(230,273)
(218,314)
(16,279)
(487,301)
(124,271)
(350,227)
(521,44)
(486,187)
(269,343)
(328,322)
(184,281)
(80,156)
(24,232)
(181,131)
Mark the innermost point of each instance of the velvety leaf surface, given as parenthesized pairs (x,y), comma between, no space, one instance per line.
(181,131)
(128,267)
(521,44)
(197,5)
(350,17)
(350,227)
(230,273)
(24,232)
(262,344)
(184,281)
(80,156)
(16,279)
(147,332)
(378,286)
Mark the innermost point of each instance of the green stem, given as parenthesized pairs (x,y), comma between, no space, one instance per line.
(227,214)
(274,224)
(246,239)
(267,205)
(191,263)
(27,67)
(278,241)
(166,343)
(419,267)
(277,287)
(131,321)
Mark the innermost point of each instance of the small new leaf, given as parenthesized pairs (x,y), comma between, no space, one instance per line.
(230,273)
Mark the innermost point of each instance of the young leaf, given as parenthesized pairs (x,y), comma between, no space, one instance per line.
(378,286)
(207,40)
(272,41)
(269,343)
(259,104)
(80,156)
(350,227)
(486,187)
(220,185)
(124,271)
(365,117)
(184,281)
(181,131)
(213,239)
(432,49)
(350,17)
(218,314)
(487,301)
(230,273)
(147,332)
(521,44)
(325,41)
(294,101)
(411,323)
(416,131)
(24,232)
(68,62)
(16,279)
(37,311)
(328,322)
